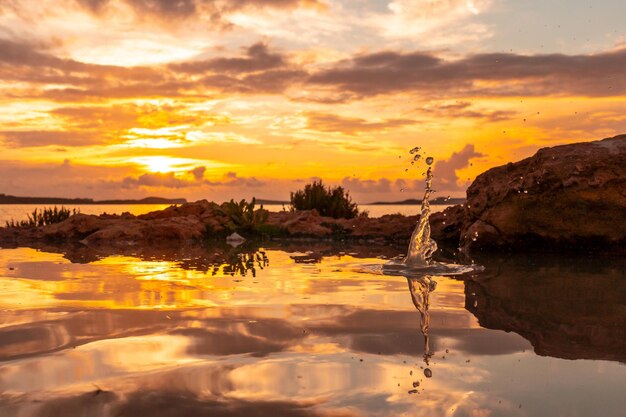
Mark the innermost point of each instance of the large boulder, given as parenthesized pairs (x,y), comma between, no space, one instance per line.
(568,197)
(158,231)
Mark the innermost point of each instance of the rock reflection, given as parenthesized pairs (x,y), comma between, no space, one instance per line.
(566,308)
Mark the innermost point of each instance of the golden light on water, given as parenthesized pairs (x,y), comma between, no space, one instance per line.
(328,334)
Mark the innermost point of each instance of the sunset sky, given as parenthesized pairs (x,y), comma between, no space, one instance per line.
(239,98)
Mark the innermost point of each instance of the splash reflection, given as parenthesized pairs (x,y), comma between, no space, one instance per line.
(420,289)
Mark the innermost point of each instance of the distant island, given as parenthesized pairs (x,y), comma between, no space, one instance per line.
(271,202)
(10,199)
(414,201)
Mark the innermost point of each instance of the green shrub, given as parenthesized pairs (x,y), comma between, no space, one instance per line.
(44,217)
(330,202)
(242,216)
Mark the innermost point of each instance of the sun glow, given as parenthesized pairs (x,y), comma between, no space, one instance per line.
(165,164)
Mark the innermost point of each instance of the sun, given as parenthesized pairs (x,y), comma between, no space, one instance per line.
(166,164)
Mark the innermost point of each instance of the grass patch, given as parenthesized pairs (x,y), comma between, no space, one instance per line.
(44,217)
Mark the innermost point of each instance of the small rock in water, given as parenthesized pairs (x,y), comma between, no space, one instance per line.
(235,239)
(428,373)
(430,160)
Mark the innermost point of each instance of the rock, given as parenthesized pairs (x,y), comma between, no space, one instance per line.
(445,226)
(568,197)
(76,227)
(159,231)
(300,223)
(235,240)
(201,208)
(390,226)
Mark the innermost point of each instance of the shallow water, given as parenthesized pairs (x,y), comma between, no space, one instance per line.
(304,331)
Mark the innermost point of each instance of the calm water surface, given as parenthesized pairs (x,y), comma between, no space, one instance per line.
(296,331)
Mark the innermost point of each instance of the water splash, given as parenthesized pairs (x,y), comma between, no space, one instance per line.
(421,246)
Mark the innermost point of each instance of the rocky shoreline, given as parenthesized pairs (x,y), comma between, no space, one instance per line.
(564,198)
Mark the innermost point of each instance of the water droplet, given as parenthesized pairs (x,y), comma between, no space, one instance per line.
(444,222)
(417,157)
(416,384)
(447,351)
(430,160)
(412,162)
(414,150)
(525,191)
(406,170)
(413,391)
(473,239)
(428,373)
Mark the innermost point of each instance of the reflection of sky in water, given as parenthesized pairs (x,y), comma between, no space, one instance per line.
(126,336)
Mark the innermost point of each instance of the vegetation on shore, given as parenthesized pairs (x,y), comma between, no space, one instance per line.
(242,216)
(43,217)
(329,202)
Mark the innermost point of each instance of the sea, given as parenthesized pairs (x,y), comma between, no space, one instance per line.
(19,212)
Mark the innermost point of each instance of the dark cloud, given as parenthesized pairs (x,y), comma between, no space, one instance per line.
(166,180)
(193,178)
(232,179)
(162,8)
(393,72)
(351,125)
(446,177)
(463,109)
(258,71)
(358,185)
(257,58)
(261,70)
(198,173)
(34,138)
(215,10)
(272,81)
